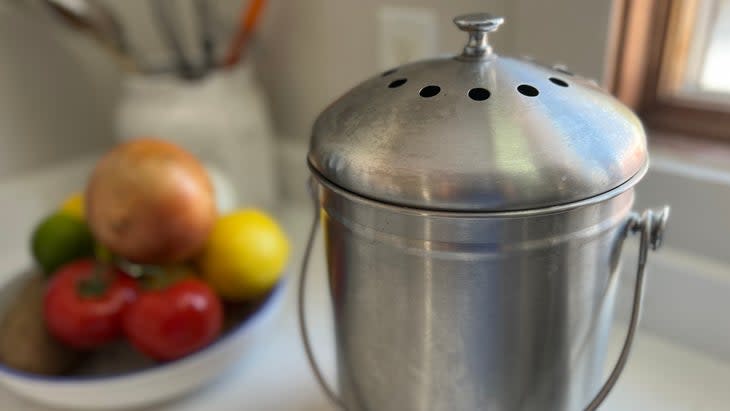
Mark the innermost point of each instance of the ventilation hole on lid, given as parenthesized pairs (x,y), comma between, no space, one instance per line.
(559,82)
(429,91)
(397,83)
(527,90)
(479,94)
(391,71)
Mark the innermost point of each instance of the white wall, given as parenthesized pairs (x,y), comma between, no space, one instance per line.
(58,90)
(570,32)
(312,51)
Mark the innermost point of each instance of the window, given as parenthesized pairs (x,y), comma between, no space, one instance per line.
(709,55)
(672,64)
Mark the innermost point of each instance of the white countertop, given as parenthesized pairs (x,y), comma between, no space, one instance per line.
(661,375)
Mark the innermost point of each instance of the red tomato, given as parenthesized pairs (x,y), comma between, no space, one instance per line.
(170,323)
(84,302)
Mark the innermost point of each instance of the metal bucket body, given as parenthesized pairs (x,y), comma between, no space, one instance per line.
(442,311)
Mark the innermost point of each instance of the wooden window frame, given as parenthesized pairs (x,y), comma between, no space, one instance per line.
(647,33)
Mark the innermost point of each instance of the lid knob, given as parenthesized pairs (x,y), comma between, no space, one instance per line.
(478,25)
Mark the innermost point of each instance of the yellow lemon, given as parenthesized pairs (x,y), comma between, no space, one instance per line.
(245,255)
(73,206)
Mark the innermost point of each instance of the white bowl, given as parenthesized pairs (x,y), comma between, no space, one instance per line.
(153,385)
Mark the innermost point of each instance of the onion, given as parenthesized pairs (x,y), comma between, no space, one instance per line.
(150,202)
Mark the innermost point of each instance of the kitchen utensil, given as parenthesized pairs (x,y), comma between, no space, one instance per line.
(207,44)
(474,210)
(94,18)
(93,15)
(249,20)
(160,9)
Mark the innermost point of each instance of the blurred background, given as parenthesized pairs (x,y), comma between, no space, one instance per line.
(305,54)
(239,83)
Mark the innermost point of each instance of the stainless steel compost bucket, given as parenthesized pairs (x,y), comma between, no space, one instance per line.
(474,210)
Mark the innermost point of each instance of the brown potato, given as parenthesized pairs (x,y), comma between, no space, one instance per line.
(25,343)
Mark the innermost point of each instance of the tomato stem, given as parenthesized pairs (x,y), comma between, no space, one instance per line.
(96,284)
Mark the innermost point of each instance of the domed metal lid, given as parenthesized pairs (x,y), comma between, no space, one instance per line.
(477,132)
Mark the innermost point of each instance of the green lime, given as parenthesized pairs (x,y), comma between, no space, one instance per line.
(60,238)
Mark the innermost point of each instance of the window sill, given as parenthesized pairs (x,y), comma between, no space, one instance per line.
(693,177)
(688,291)
(705,156)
